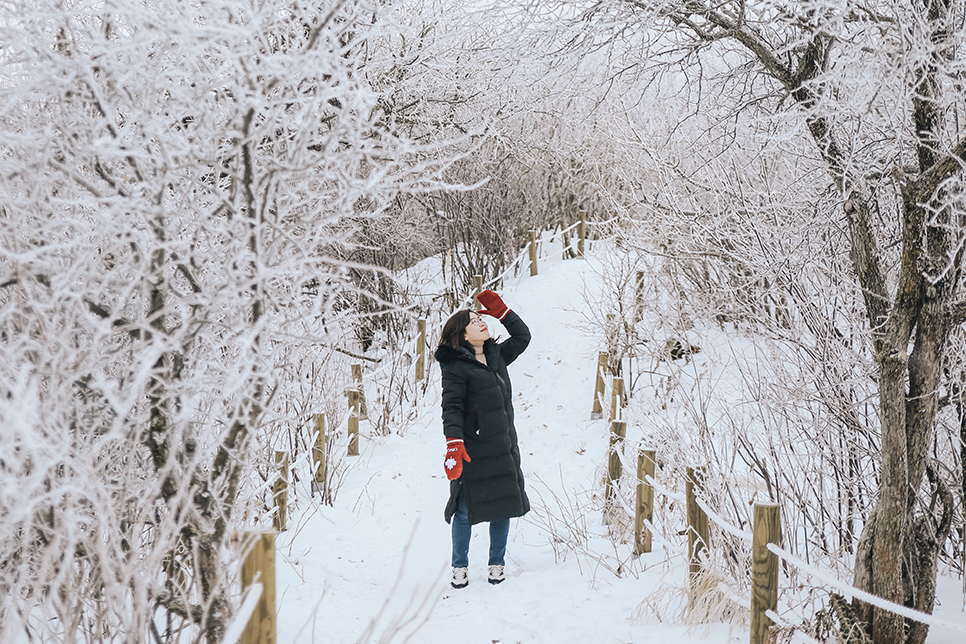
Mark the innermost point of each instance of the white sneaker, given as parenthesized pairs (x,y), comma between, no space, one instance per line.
(460,578)
(496,575)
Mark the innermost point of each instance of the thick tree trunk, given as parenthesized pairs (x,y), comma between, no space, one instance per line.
(898,553)
(887,542)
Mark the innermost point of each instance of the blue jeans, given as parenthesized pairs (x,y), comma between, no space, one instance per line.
(462,531)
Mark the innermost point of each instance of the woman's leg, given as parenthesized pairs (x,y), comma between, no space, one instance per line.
(461,535)
(499,530)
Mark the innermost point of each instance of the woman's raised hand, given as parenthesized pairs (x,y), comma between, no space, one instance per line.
(494,305)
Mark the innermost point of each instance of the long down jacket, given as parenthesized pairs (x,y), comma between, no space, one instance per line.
(478,407)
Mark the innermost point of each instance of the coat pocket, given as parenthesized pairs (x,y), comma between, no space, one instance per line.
(492,424)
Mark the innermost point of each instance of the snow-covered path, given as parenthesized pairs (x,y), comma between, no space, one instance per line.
(375,567)
(382,553)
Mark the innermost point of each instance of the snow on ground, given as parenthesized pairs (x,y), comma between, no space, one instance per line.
(375,567)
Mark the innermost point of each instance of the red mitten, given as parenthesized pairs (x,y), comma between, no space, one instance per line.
(455,455)
(494,305)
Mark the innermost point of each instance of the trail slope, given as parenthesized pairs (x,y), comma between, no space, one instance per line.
(377,563)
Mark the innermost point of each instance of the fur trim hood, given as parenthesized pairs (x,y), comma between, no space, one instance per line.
(445,354)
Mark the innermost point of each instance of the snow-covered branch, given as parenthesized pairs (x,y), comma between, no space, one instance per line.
(180,185)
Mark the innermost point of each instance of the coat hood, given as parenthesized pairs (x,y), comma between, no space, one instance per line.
(445,354)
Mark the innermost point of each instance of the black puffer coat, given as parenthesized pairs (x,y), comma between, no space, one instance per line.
(478,407)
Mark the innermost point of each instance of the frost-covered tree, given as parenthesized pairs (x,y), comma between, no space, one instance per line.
(875,90)
(532,153)
(174,182)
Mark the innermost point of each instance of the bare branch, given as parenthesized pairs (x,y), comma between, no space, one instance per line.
(180,607)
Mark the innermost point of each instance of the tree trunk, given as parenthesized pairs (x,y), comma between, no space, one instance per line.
(890,511)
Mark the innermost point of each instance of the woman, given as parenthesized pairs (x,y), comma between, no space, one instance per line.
(482,457)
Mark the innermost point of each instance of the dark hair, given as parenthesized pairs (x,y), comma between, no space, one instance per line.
(454,330)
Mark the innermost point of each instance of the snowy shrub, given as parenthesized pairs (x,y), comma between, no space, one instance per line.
(175,182)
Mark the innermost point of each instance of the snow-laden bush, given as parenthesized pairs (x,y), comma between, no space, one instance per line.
(175,178)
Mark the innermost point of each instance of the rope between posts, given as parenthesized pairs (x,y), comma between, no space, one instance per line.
(566,230)
(723,524)
(663,490)
(847,590)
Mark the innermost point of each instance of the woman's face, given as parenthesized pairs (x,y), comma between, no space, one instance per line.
(476,331)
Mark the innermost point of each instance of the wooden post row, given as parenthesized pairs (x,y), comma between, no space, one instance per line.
(533,253)
(644,508)
(597,410)
(280,489)
(319,456)
(420,349)
(618,431)
(259,565)
(697,521)
(764,570)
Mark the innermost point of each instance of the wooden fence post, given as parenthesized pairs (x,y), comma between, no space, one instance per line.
(618,430)
(617,402)
(357,383)
(420,349)
(259,565)
(477,289)
(764,570)
(598,410)
(644,509)
(697,521)
(581,232)
(533,253)
(353,427)
(280,488)
(318,456)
